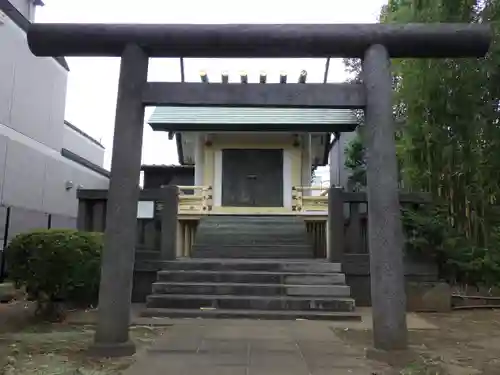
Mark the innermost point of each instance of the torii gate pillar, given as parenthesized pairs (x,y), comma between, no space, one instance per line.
(112,334)
(385,230)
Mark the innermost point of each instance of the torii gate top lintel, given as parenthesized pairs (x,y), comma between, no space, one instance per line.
(435,40)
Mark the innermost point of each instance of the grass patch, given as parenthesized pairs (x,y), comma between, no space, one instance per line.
(422,369)
(59,349)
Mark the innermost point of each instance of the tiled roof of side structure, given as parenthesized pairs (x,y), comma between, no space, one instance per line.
(235,115)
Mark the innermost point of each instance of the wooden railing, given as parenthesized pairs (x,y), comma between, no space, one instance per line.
(316,230)
(309,203)
(195,200)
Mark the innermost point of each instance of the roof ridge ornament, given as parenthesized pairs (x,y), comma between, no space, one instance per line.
(243,77)
(204,77)
(303,76)
(263,77)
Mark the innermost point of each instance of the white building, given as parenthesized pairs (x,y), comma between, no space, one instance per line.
(43,158)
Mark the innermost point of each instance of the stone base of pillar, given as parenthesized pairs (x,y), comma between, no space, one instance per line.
(112,350)
(394,358)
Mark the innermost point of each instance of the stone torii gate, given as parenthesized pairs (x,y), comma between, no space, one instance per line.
(374,43)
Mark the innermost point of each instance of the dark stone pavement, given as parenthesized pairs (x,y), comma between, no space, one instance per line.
(246,347)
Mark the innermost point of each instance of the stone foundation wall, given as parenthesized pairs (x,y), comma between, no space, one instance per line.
(143,281)
(145,271)
(419,271)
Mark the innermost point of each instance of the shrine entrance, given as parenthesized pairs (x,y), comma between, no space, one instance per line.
(252,178)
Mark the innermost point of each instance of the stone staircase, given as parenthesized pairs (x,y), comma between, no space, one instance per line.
(271,237)
(251,288)
(258,267)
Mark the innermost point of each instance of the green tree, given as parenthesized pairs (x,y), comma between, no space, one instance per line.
(355,162)
(449,144)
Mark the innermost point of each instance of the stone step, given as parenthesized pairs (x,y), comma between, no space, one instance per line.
(288,265)
(252,237)
(249,250)
(253,247)
(250,255)
(256,277)
(183,301)
(250,314)
(223,237)
(244,226)
(220,221)
(265,248)
(251,289)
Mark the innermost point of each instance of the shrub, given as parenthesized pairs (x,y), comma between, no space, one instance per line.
(428,232)
(55,266)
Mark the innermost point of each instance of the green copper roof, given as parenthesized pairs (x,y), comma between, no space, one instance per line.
(235,115)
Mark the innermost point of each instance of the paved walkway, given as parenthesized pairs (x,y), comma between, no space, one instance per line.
(253,347)
(234,347)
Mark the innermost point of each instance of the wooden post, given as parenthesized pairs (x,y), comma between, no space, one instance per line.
(385,230)
(192,231)
(170,195)
(336,234)
(354,229)
(81,220)
(112,333)
(99,216)
(150,234)
(187,239)
(179,239)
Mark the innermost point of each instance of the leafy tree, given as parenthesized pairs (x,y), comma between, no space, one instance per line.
(355,162)
(449,144)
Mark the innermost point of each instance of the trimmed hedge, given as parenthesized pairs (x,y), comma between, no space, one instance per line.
(56,265)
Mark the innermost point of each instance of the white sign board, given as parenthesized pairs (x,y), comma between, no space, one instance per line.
(145,209)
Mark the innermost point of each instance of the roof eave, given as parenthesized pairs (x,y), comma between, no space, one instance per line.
(254,127)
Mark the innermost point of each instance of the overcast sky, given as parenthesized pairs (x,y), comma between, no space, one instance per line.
(92,82)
